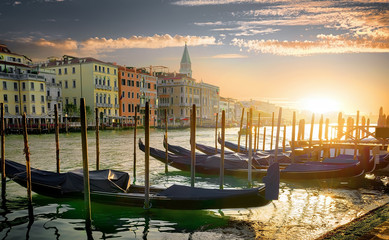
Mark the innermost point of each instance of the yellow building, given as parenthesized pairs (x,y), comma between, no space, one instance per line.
(22,89)
(88,78)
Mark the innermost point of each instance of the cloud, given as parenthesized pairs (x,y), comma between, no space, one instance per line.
(325,44)
(229,56)
(96,46)
(221,2)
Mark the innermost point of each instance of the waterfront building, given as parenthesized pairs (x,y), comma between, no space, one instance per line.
(136,87)
(148,93)
(53,93)
(177,92)
(23,89)
(230,106)
(88,78)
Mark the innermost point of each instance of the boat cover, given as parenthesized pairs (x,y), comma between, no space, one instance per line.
(193,193)
(73,181)
(315,167)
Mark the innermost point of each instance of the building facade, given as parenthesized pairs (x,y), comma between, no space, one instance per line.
(88,78)
(23,89)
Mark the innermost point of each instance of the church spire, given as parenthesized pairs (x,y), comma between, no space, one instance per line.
(185,65)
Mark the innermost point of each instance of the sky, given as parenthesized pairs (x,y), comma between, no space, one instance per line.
(317,55)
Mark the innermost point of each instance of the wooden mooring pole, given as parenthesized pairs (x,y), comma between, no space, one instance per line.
(28,165)
(264,138)
(97,139)
(250,150)
(3,176)
(166,142)
(240,129)
(278,135)
(293,135)
(272,131)
(284,140)
(135,127)
(259,126)
(147,156)
(222,150)
(247,131)
(85,163)
(57,137)
(193,146)
(311,134)
(217,119)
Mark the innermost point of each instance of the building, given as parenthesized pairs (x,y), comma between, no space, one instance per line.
(53,93)
(88,78)
(137,86)
(230,106)
(177,92)
(23,89)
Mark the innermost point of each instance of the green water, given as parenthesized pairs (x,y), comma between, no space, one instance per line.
(300,213)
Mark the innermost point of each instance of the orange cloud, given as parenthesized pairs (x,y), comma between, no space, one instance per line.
(326,44)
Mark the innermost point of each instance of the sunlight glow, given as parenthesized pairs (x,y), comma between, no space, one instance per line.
(319,105)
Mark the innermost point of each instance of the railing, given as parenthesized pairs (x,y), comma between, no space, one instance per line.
(98,86)
(22,76)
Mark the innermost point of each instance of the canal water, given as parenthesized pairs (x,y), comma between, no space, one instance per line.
(303,211)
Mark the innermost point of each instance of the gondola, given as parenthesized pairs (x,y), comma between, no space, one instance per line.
(113,187)
(234,167)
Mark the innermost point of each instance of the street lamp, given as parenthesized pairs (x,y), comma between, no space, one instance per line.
(66,122)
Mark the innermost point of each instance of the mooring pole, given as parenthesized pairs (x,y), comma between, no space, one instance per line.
(264,138)
(217,119)
(284,140)
(147,156)
(85,164)
(255,138)
(97,139)
(222,150)
(293,135)
(193,146)
(272,131)
(259,127)
(278,135)
(311,134)
(3,176)
(249,129)
(166,142)
(135,127)
(57,137)
(240,129)
(27,154)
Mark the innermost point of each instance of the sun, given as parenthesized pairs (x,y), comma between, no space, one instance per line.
(319,104)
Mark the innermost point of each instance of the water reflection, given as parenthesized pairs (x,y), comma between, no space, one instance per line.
(305,210)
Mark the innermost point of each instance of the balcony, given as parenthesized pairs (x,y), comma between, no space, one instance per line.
(14,76)
(103,87)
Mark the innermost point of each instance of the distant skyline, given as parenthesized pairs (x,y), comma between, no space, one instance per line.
(329,55)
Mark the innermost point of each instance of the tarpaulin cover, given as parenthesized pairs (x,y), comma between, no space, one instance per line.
(73,181)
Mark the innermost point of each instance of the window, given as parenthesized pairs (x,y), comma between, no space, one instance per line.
(24,98)
(15,86)
(129,107)
(132,108)
(132,94)
(108,70)
(4,85)
(129,94)
(114,71)
(59,71)
(75,101)
(137,95)
(6,108)
(48,106)
(43,109)
(5,98)
(65,71)
(99,68)
(95,68)
(32,86)
(132,83)
(33,108)
(42,99)
(123,82)
(53,80)
(24,86)
(97,98)
(137,83)
(148,85)
(129,83)
(73,70)
(67,101)
(122,74)
(25,108)
(123,108)
(103,69)
(16,98)
(42,87)
(32,98)
(74,83)
(17,109)
(66,83)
